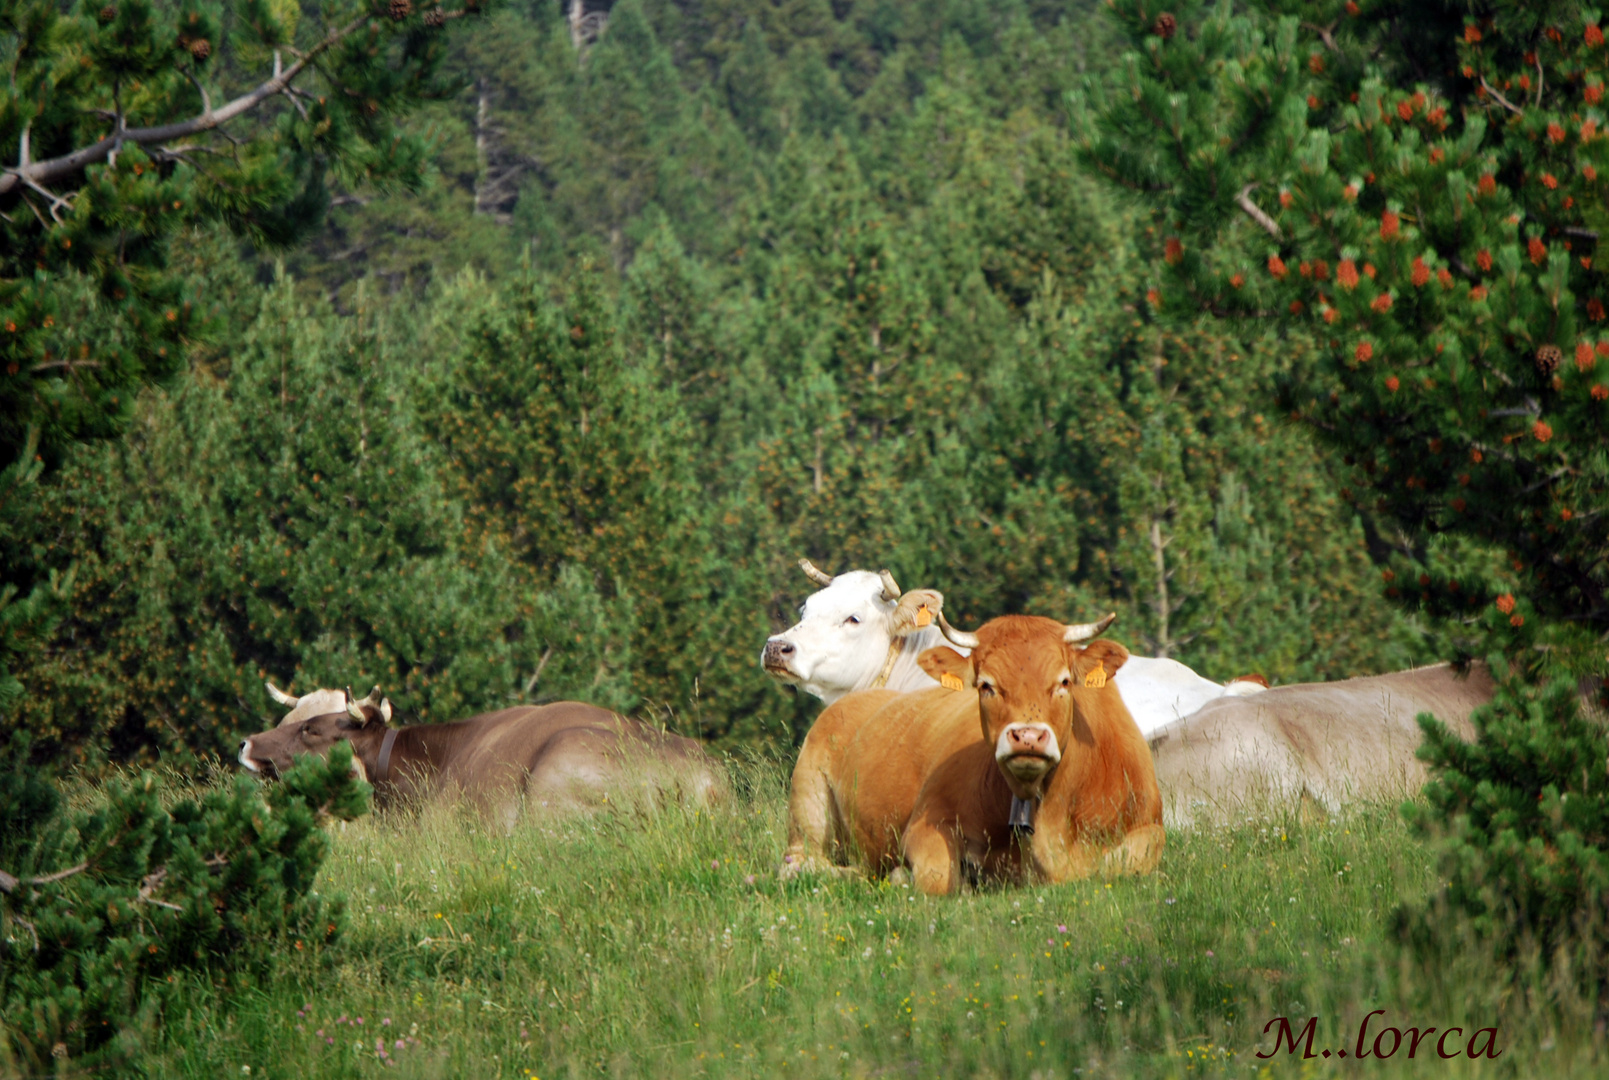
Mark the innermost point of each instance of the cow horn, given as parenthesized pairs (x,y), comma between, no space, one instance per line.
(890,587)
(957,637)
(354,707)
(1077,632)
(813,574)
(280,696)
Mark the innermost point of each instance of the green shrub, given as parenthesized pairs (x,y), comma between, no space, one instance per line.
(103,907)
(1523,818)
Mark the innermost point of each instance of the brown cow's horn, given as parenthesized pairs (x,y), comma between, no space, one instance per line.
(957,637)
(890,588)
(355,708)
(1077,632)
(280,696)
(813,574)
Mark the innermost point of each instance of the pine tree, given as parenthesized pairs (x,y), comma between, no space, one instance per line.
(114,155)
(1418,188)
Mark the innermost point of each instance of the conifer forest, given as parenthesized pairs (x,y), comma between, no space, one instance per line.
(509,352)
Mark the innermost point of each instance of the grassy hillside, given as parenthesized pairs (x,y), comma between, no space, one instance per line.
(627,945)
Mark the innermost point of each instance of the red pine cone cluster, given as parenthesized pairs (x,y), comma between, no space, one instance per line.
(1165,26)
(201,48)
(401,9)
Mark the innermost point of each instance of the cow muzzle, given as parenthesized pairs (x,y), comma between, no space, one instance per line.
(260,766)
(777,659)
(1027,751)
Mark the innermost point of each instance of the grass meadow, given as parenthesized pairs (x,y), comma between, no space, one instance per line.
(631,944)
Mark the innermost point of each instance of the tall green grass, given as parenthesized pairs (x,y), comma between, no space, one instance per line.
(630,944)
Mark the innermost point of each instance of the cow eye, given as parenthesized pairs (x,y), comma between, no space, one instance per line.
(986,689)
(853,620)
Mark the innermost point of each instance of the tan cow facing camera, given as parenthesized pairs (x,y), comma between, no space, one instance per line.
(936,779)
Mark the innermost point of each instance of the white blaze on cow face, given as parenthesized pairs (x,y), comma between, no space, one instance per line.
(854,633)
(840,641)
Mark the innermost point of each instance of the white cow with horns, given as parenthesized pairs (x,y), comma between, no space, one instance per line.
(861,633)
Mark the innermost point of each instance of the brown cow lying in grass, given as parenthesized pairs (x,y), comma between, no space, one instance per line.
(562,756)
(887,778)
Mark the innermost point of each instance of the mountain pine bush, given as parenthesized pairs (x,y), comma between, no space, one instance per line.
(102,908)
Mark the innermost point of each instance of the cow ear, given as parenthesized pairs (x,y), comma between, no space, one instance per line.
(916,609)
(1105,655)
(949,667)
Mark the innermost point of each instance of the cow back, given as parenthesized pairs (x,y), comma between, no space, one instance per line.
(1327,744)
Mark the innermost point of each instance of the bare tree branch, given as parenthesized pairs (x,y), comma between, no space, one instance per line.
(1501,100)
(1256,212)
(9,882)
(1324,32)
(34,174)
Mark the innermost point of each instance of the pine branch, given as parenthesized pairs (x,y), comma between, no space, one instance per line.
(1256,212)
(1501,100)
(33,174)
(9,882)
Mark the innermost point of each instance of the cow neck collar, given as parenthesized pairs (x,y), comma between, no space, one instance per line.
(894,649)
(382,767)
(1022,816)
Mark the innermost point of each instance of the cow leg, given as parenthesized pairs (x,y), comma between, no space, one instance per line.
(814,833)
(1138,853)
(934,858)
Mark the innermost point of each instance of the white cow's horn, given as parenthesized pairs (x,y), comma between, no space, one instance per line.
(890,588)
(280,696)
(1077,632)
(813,574)
(957,637)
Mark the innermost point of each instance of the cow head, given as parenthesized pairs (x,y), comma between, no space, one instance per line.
(271,752)
(845,633)
(1024,670)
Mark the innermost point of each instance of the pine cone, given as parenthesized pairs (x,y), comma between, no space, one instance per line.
(401,9)
(436,18)
(108,13)
(1165,25)
(1548,358)
(201,48)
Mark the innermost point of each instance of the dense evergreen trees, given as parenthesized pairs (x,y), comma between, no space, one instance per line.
(903,330)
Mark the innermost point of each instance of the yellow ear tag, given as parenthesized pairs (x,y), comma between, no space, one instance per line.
(1096,677)
(924,617)
(951,682)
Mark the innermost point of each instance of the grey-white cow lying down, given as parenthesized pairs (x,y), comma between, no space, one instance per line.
(860,633)
(1314,745)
